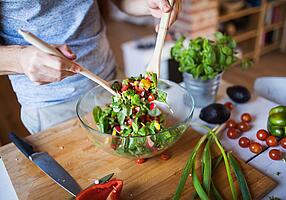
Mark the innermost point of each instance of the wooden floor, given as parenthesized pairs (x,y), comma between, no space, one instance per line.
(272,64)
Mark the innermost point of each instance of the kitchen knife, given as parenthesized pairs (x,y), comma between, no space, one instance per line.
(48,165)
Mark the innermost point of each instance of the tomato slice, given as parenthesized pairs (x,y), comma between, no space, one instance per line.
(110,190)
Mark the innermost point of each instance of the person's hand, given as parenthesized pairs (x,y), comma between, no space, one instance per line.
(158,7)
(43,68)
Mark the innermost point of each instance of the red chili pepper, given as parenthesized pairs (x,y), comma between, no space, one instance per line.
(110,190)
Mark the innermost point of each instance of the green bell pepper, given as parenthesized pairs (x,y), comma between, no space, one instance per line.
(276,124)
(277,109)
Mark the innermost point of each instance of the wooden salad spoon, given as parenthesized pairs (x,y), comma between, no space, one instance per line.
(45,47)
(154,64)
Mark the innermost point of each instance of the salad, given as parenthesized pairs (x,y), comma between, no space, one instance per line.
(134,115)
(132,112)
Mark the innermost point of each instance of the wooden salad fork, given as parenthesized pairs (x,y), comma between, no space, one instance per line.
(154,64)
(45,47)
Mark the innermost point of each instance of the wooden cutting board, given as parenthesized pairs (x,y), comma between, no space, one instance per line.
(155,179)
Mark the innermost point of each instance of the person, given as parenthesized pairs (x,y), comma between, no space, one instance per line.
(46,86)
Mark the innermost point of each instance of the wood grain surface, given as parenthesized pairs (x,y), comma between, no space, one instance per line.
(155,179)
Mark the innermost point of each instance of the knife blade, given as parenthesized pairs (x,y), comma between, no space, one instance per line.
(48,165)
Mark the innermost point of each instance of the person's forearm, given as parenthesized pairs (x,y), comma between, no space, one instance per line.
(133,7)
(9,59)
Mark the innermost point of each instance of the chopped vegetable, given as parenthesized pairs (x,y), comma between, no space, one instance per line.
(165,156)
(140,160)
(132,112)
(134,116)
(109,190)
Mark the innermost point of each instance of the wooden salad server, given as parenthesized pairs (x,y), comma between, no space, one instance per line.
(45,47)
(154,64)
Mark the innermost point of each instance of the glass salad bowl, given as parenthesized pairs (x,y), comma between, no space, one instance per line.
(177,121)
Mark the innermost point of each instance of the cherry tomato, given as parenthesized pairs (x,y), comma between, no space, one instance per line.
(165,156)
(244,142)
(124,88)
(243,126)
(275,154)
(231,124)
(138,90)
(152,106)
(151,97)
(255,147)
(229,105)
(117,128)
(233,133)
(283,142)
(271,141)
(113,146)
(129,121)
(262,134)
(137,109)
(148,78)
(140,160)
(246,117)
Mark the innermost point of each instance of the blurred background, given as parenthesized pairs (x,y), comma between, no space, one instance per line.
(258,26)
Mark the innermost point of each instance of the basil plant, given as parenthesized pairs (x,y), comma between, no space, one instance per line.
(205,59)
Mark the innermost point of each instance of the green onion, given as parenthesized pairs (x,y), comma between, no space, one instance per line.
(227,167)
(240,178)
(215,192)
(217,162)
(187,169)
(207,166)
(197,185)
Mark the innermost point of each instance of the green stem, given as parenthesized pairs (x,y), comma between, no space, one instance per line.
(227,167)
(188,168)
(207,166)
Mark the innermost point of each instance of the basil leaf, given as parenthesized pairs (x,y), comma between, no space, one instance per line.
(143,131)
(162,96)
(154,113)
(103,124)
(134,127)
(121,117)
(135,100)
(96,112)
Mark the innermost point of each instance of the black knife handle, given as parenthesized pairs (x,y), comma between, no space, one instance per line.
(24,147)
